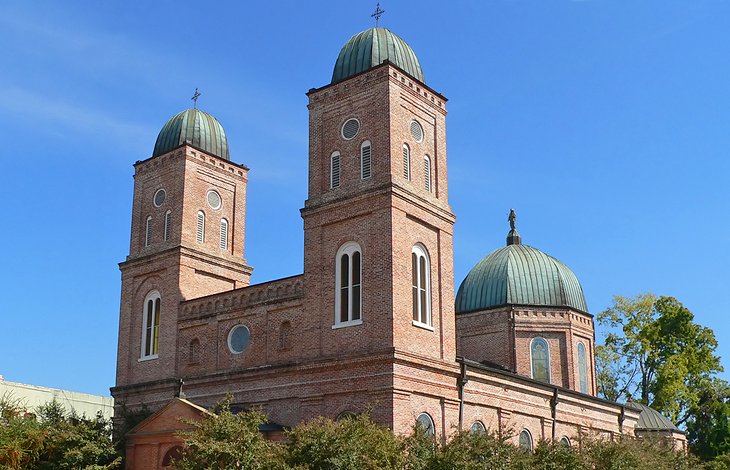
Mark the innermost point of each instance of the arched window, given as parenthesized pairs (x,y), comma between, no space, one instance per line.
(478,428)
(166,232)
(582,368)
(284,334)
(348,301)
(565,442)
(540,358)
(365,160)
(335,170)
(150,325)
(406,162)
(194,351)
(171,455)
(425,421)
(421,285)
(148,231)
(200,228)
(224,234)
(427,172)
(526,440)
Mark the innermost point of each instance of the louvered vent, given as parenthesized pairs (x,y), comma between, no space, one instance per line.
(350,128)
(416,131)
(200,228)
(406,162)
(335,171)
(427,172)
(148,231)
(168,216)
(224,234)
(365,162)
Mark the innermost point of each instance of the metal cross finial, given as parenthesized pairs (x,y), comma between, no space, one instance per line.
(377,14)
(195,97)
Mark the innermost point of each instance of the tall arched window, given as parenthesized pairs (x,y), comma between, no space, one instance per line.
(582,368)
(425,421)
(427,172)
(335,170)
(421,285)
(194,351)
(148,231)
(284,334)
(540,358)
(150,325)
(166,232)
(200,227)
(348,301)
(365,160)
(224,234)
(406,162)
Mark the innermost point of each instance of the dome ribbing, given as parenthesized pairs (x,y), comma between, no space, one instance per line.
(373,47)
(196,128)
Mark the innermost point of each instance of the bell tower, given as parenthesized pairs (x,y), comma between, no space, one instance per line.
(377,224)
(187,241)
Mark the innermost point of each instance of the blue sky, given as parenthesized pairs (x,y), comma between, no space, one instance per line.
(604,123)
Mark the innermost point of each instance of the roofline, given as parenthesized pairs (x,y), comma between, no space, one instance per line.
(382,64)
(239,165)
(523,305)
(195,299)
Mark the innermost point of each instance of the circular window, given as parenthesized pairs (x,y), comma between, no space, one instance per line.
(416,131)
(350,128)
(214,200)
(426,423)
(478,428)
(159,198)
(238,339)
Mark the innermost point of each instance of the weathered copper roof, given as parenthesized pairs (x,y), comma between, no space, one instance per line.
(519,275)
(651,420)
(373,47)
(196,128)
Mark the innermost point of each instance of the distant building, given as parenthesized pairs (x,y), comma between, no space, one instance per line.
(32,396)
(372,323)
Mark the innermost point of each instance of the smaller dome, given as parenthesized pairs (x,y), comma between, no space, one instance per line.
(372,47)
(194,127)
(651,420)
(519,275)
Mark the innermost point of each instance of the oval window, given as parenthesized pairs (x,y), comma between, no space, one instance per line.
(350,129)
(416,131)
(238,339)
(214,200)
(159,198)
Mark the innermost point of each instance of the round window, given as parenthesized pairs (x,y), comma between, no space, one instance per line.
(350,128)
(159,198)
(238,339)
(416,131)
(214,200)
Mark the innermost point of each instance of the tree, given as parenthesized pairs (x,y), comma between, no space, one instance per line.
(656,354)
(352,443)
(708,429)
(224,440)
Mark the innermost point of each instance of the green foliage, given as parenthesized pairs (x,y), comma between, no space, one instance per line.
(125,419)
(708,429)
(225,440)
(54,439)
(352,443)
(476,451)
(656,354)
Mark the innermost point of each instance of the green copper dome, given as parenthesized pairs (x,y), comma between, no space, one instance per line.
(196,128)
(519,275)
(373,47)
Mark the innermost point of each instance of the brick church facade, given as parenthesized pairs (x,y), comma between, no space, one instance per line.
(372,323)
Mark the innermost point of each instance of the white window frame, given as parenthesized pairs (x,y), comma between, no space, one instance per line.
(363,167)
(151,306)
(166,232)
(430,428)
(200,227)
(527,433)
(148,231)
(335,176)
(547,348)
(423,312)
(406,162)
(427,173)
(224,234)
(349,249)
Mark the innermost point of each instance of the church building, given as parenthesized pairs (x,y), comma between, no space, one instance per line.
(373,322)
